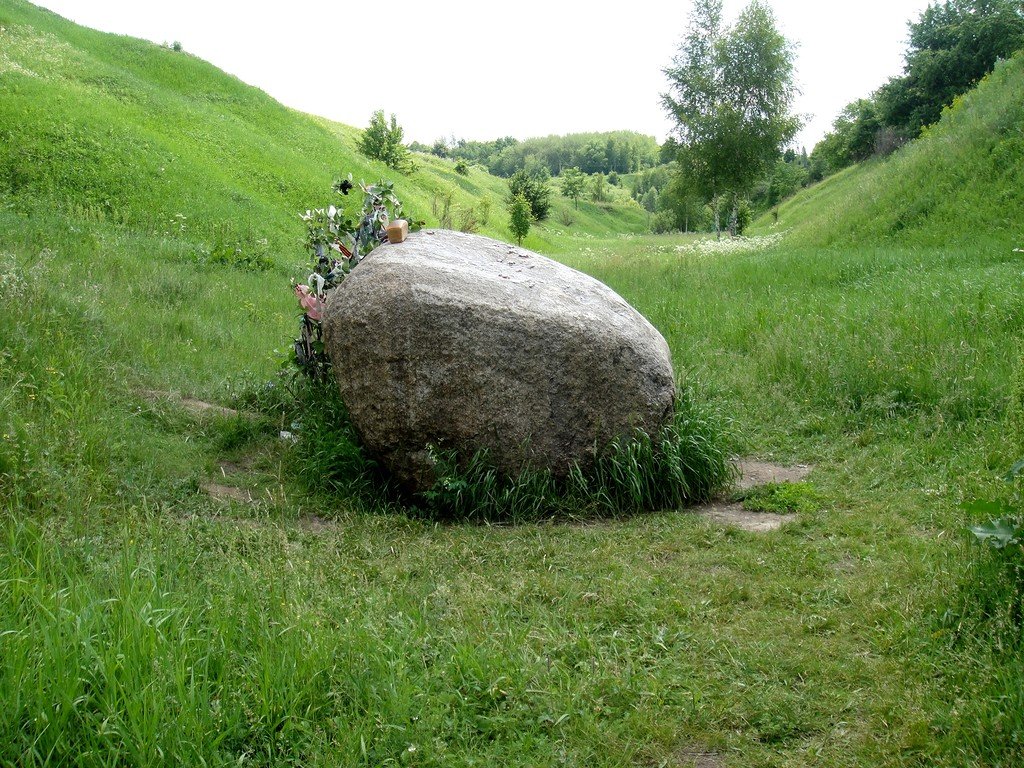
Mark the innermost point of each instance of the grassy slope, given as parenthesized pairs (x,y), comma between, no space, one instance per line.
(961,184)
(142,622)
(117,129)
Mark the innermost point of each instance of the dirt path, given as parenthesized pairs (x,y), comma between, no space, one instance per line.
(754,473)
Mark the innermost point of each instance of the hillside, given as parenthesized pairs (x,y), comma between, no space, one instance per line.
(114,129)
(961,181)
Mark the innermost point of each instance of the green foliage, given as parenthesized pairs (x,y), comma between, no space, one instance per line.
(536,191)
(650,200)
(598,188)
(462,167)
(519,217)
(731,92)
(852,139)
(618,151)
(960,181)
(736,212)
(573,181)
(681,208)
(952,46)
(383,141)
(783,499)
(790,174)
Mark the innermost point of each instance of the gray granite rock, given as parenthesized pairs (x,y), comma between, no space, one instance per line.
(469,343)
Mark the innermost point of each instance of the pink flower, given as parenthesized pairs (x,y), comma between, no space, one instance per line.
(312,306)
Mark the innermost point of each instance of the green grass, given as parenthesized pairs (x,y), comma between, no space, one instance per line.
(114,129)
(963,185)
(144,623)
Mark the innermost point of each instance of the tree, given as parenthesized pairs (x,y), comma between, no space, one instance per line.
(440,148)
(731,89)
(519,217)
(536,192)
(573,182)
(599,188)
(383,141)
(851,140)
(951,47)
(650,200)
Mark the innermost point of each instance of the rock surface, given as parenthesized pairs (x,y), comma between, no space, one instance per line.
(468,343)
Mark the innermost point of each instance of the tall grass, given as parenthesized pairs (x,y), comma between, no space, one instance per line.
(684,464)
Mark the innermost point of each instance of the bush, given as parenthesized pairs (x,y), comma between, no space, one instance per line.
(535,191)
(462,167)
(519,217)
(383,141)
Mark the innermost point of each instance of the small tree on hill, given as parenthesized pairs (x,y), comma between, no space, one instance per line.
(536,192)
(383,141)
(573,182)
(599,188)
(519,217)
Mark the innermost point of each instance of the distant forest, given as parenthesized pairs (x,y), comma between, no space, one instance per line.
(618,151)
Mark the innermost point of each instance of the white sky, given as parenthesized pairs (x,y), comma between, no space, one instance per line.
(480,70)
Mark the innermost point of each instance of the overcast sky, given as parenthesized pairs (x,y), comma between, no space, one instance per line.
(482,70)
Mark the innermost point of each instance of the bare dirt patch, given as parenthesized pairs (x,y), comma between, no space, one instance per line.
(234,467)
(196,407)
(695,758)
(317,524)
(733,514)
(228,493)
(752,474)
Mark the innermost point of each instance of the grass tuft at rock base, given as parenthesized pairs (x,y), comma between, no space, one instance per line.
(686,463)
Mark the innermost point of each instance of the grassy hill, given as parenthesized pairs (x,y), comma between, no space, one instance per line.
(177,586)
(961,182)
(115,129)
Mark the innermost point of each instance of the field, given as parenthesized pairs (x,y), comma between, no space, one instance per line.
(144,621)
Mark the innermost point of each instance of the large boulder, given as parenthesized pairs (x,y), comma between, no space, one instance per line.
(468,343)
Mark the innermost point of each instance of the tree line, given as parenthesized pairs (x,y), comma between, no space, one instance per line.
(615,151)
(731,90)
(951,46)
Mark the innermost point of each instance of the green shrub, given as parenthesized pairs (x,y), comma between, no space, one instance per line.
(383,141)
(1001,560)
(536,192)
(519,217)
